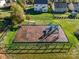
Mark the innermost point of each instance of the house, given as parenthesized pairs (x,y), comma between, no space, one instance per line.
(76,6)
(73,6)
(2,3)
(58,0)
(59,6)
(41,5)
(5,3)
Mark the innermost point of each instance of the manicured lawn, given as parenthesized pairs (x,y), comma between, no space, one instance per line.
(4,14)
(42,16)
(8,39)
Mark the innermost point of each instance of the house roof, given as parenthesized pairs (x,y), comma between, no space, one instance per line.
(41,1)
(58,0)
(68,1)
(60,5)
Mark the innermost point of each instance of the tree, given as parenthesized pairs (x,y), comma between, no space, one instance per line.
(17,14)
(71,6)
(30,1)
(22,3)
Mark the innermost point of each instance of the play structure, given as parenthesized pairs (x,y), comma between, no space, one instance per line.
(49,30)
(38,33)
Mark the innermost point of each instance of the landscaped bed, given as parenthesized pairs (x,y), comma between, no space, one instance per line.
(33,33)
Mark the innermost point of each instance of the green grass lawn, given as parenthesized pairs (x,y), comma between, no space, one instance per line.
(4,14)
(9,37)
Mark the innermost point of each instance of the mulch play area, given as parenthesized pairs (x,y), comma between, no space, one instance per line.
(34,33)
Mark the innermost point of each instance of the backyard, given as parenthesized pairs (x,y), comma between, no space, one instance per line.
(69,26)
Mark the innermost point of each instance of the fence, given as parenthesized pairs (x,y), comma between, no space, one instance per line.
(4,33)
(61,17)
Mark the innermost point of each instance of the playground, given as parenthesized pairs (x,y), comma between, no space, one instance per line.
(38,34)
(39,39)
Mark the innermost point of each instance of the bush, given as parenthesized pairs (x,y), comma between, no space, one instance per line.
(2,26)
(28,17)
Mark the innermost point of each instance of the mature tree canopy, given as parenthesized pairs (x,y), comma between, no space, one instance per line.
(22,3)
(17,13)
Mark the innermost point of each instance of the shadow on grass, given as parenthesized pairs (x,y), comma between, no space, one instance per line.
(32,12)
(5,9)
(71,17)
(58,12)
(7,22)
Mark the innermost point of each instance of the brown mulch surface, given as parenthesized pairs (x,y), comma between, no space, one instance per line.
(33,33)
